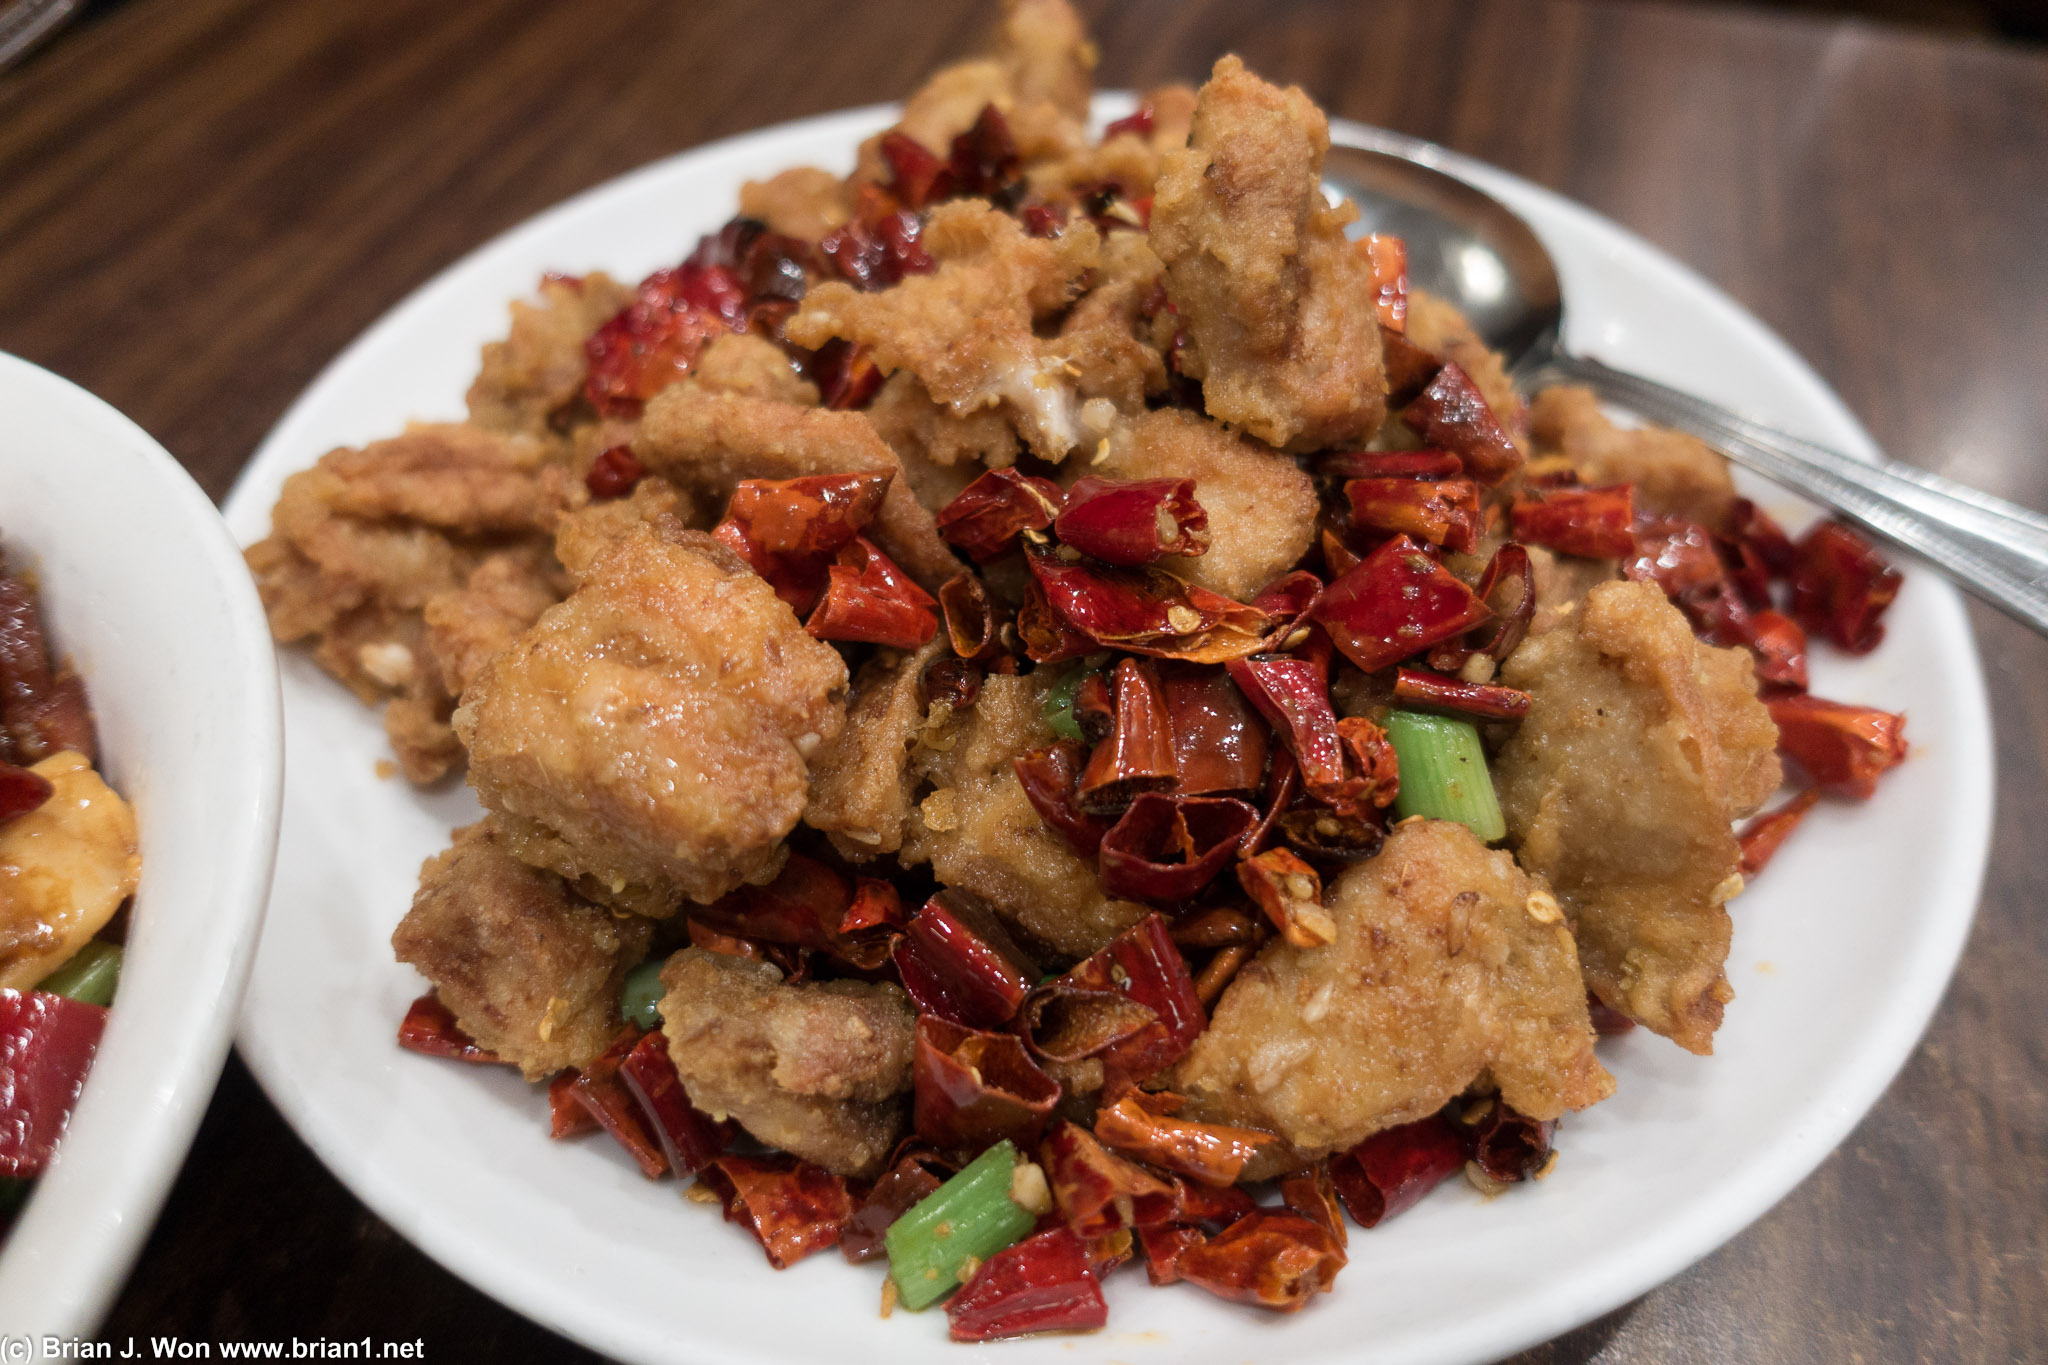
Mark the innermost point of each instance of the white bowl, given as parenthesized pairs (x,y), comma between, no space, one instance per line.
(145,592)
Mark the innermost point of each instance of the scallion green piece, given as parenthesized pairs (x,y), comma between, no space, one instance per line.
(640,996)
(1443,772)
(1059,704)
(971,1215)
(90,976)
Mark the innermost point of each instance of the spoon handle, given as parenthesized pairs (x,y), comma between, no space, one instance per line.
(1996,549)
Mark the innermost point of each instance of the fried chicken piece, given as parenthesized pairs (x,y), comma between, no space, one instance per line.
(502,597)
(654,501)
(1435,325)
(531,970)
(647,738)
(1107,338)
(936,443)
(1562,582)
(966,330)
(740,362)
(1130,161)
(1449,965)
(981,835)
(531,377)
(65,868)
(803,201)
(708,442)
(1045,50)
(1279,308)
(820,1069)
(861,783)
(1674,474)
(1640,746)
(364,540)
(1261,506)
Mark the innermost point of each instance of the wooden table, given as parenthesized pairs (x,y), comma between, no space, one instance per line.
(201,202)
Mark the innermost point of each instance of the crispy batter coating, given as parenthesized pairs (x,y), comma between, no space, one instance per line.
(708,442)
(1435,325)
(803,201)
(531,970)
(1045,49)
(818,1069)
(1282,328)
(1640,746)
(647,737)
(981,834)
(530,378)
(965,330)
(654,501)
(740,362)
(1107,337)
(1562,582)
(362,542)
(502,597)
(1449,964)
(861,783)
(1261,506)
(1673,474)
(1130,161)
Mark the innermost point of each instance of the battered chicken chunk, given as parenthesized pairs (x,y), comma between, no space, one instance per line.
(1279,309)
(1435,325)
(364,540)
(654,501)
(531,378)
(965,330)
(1562,582)
(709,441)
(740,362)
(1673,474)
(647,738)
(1261,506)
(862,782)
(502,597)
(821,1069)
(803,201)
(1107,338)
(1640,746)
(980,833)
(65,868)
(1449,964)
(1130,161)
(531,970)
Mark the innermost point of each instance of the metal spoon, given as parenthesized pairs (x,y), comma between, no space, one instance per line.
(1472,250)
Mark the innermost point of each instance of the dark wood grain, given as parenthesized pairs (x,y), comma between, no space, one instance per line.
(201,202)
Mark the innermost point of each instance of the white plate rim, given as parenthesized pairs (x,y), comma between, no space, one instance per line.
(1658,1255)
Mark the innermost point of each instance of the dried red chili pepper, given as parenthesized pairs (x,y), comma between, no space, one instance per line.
(1219,926)
(1144,1125)
(1761,838)
(1219,743)
(974,1088)
(1313,1195)
(429,1027)
(1144,610)
(1843,748)
(1338,558)
(986,517)
(914,1175)
(869,600)
(605,1098)
(1608,1022)
(1191,1203)
(1164,1244)
(1509,563)
(1746,570)
(656,338)
(1291,894)
(1292,693)
(1166,848)
(1780,648)
(805,906)
(846,374)
(1395,604)
(1391,1170)
(1048,637)
(1049,777)
(1138,123)
(1388,257)
(1677,555)
(1760,533)
(1438,693)
(1509,1145)
(567,1118)
(1045,1283)
(916,175)
(984,159)
(1451,413)
(1107,1252)
(953,971)
(1267,1258)
(1219,971)
(47,1045)
(952,683)
(812,515)
(1095,707)
(1287,599)
(879,245)
(875,904)
(1595,523)
(1438,512)
(1065,1023)
(1391,464)
(792,1207)
(1841,587)
(1143,965)
(1097,1191)
(1409,367)
(974,624)
(798,580)
(1320,832)
(614,472)
(689,1137)
(1136,756)
(1133,521)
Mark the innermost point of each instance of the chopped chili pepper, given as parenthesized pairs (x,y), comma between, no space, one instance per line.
(808,906)
(914,1175)
(1138,123)
(1166,848)
(614,472)
(1097,1191)
(1756,529)
(1391,1170)
(689,1137)
(869,600)
(1409,367)
(605,1098)
(986,517)
(812,515)
(953,971)
(792,1207)
(1267,1258)
(1219,743)
(1780,648)
(1388,256)
(1192,1203)
(975,1088)
(1164,1244)
(917,176)
(1761,838)
(47,1043)
(1144,1125)
(1509,1145)
(1141,965)
(1843,748)
(1841,587)
(1392,464)
(1136,756)
(567,1118)
(1049,777)
(1436,692)
(1313,1195)
(1596,523)
(1219,926)
(984,159)
(1144,610)
(1396,603)
(1451,413)
(1291,894)
(429,1027)
(974,624)
(1438,512)
(846,374)
(1045,1283)
(656,339)
(1133,521)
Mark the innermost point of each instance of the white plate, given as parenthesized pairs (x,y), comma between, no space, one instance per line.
(1840,953)
(143,589)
